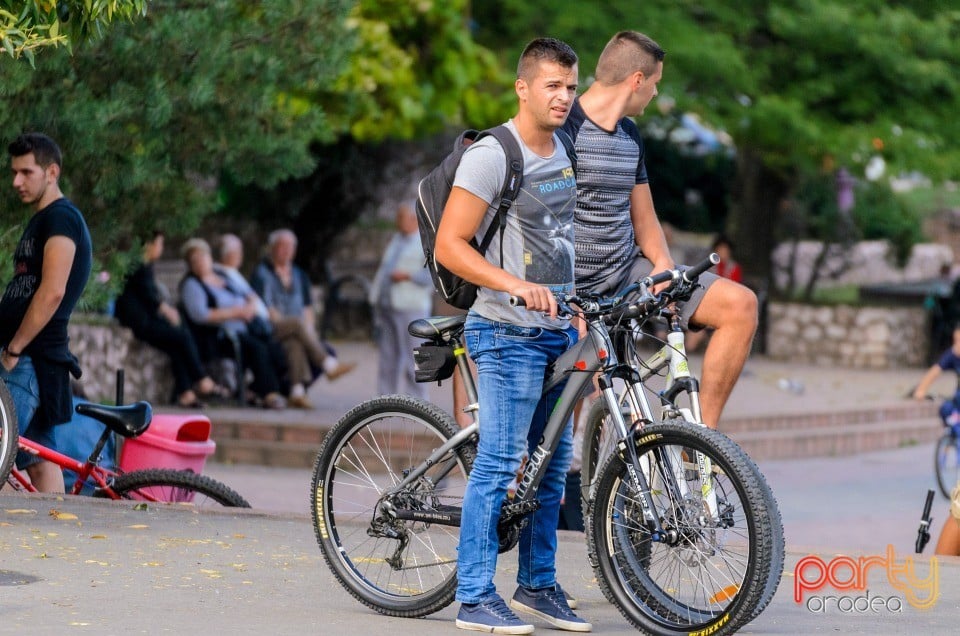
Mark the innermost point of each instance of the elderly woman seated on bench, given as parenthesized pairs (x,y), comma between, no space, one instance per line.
(219,314)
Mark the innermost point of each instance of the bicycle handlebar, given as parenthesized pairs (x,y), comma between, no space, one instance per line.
(646,304)
(689,275)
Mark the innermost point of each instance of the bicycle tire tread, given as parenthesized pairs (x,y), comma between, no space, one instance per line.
(442,423)
(768,540)
(202,484)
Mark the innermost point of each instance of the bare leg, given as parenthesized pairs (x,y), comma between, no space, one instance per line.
(948,544)
(731,310)
(46,477)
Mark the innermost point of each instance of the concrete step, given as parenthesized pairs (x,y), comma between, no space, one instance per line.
(908,410)
(295,444)
(845,439)
(266,453)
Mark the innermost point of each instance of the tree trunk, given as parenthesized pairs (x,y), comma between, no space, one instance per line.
(754,213)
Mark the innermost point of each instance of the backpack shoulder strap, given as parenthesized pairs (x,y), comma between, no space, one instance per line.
(567,142)
(511,183)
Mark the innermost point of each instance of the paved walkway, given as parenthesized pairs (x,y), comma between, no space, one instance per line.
(766,387)
(107,568)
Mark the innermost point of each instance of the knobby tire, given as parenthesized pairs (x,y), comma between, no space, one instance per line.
(176,486)
(397,567)
(724,569)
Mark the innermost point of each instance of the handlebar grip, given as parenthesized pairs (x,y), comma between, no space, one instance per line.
(662,277)
(517,301)
(692,273)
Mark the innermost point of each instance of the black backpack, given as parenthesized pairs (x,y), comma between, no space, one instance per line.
(432,195)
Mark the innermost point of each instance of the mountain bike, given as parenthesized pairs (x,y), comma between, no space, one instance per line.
(684,535)
(149,485)
(678,394)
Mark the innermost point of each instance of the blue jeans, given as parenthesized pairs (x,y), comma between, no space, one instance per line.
(25,391)
(511,364)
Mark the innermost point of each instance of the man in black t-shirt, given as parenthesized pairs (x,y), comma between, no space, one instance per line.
(52,263)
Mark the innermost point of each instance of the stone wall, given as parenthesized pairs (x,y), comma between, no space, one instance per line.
(842,335)
(102,348)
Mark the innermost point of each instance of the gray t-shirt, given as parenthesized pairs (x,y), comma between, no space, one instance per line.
(538,237)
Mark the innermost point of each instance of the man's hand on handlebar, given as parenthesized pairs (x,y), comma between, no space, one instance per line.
(659,268)
(536,298)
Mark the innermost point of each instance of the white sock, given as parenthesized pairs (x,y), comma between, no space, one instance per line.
(330,364)
(297,391)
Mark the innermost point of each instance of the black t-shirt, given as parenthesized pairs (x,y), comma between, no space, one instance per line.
(60,218)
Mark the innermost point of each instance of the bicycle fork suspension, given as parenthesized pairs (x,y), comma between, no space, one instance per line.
(636,470)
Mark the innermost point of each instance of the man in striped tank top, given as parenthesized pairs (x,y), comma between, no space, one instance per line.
(618,236)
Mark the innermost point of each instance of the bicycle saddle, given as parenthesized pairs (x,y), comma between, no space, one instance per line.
(130,420)
(437,327)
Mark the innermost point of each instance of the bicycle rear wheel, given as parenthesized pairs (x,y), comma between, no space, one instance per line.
(177,486)
(946,462)
(9,433)
(718,566)
(398,567)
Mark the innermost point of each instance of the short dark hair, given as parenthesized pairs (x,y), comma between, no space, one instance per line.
(626,53)
(722,239)
(545,50)
(45,150)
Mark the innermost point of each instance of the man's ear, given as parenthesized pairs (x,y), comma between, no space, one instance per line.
(521,87)
(53,172)
(637,78)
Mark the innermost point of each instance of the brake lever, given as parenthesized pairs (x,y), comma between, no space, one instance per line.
(923,533)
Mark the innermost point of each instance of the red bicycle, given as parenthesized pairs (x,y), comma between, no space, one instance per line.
(151,485)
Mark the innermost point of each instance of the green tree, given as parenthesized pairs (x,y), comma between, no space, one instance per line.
(29,25)
(415,72)
(151,115)
(802,86)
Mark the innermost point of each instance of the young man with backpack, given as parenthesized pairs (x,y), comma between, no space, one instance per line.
(512,346)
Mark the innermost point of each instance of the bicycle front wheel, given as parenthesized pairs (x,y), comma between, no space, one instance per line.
(177,486)
(599,439)
(9,433)
(720,558)
(387,560)
(946,463)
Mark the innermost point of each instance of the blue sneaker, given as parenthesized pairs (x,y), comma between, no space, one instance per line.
(491,616)
(571,601)
(550,605)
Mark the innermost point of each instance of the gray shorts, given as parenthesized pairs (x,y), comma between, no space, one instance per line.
(641,268)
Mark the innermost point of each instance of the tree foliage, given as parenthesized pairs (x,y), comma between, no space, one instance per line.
(154,113)
(29,25)
(802,86)
(414,71)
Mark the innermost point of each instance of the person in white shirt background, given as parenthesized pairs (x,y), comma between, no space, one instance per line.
(401,293)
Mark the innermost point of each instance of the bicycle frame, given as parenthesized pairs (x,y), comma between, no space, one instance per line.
(577,366)
(88,470)
(672,356)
